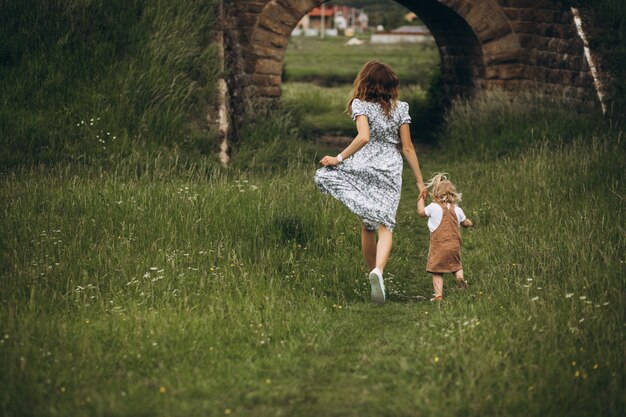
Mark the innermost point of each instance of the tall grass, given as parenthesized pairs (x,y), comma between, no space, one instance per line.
(182,289)
(85,79)
(495,124)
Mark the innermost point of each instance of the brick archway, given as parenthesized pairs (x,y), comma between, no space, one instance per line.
(508,44)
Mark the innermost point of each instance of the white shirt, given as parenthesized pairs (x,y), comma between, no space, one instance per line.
(435,214)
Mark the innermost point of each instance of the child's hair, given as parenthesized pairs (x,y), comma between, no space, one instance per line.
(442,190)
(378,83)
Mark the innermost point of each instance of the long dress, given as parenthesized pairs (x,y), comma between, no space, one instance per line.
(369,181)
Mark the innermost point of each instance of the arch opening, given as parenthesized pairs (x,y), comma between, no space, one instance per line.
(461,60)
(318,72)
(506,44)
(460,51)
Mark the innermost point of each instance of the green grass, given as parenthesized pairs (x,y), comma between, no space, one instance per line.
(482,126)
(158,288)
(141,71)
(329,61)
(137,277)
(320,110)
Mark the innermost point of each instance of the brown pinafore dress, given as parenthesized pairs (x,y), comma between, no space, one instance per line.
(444,254)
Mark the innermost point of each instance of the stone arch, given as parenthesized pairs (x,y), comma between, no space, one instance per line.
(508,44)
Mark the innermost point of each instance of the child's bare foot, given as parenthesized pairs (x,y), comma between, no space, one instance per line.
(462,283)
(437,298)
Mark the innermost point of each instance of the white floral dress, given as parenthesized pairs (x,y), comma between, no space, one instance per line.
(369,181)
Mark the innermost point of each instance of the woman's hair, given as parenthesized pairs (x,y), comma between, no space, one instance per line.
(378,83)
(442,190)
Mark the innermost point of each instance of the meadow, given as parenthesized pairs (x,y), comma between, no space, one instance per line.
(160,288)
(330,61)
(138,277)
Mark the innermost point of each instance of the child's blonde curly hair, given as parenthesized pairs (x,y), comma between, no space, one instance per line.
(442,190)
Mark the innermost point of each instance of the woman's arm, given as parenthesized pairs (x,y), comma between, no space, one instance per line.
(411,157)
(361,139)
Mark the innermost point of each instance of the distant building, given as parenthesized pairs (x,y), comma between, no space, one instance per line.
(409,17)
(337,19)
(404,34)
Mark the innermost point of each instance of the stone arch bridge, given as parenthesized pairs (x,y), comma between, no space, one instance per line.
(507,44)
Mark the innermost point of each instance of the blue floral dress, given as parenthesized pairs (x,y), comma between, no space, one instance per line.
(369,181)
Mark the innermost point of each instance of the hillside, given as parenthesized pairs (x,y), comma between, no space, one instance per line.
(92,79)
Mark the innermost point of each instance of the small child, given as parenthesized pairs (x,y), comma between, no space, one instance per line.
(444,218)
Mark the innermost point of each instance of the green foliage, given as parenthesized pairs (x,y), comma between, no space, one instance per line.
(427,110)
(318,110)
(494,123)
(143,71)
(271,144)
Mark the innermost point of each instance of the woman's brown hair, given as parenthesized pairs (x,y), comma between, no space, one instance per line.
(378,83)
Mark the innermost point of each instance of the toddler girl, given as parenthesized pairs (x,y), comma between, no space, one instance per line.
(444,218)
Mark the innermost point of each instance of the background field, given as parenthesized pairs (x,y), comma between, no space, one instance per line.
(330,61)
(139,277)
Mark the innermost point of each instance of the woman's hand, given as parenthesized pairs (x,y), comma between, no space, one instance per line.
(329,161)
(423,193)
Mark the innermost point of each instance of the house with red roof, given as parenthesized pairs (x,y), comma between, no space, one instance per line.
(335,18)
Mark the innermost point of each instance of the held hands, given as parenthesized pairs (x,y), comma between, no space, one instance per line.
(329,161)
(423,194)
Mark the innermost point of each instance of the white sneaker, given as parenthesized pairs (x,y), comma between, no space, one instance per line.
(378,286)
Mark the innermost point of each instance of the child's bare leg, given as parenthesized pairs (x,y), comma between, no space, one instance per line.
(459,279)
(368,247)
(385,239)
(438,285)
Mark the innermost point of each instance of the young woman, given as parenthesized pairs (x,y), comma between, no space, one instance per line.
(367,175)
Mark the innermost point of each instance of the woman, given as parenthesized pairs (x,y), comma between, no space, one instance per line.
(367,175)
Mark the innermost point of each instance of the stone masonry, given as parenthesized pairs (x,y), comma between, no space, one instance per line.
(512,45)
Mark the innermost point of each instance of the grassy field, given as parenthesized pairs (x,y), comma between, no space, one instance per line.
(330,61)
(92,79)
(140,278)
(158,288)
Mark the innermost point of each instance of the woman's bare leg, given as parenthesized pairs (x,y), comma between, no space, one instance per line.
(438,285)
(368,247)
(383,248)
